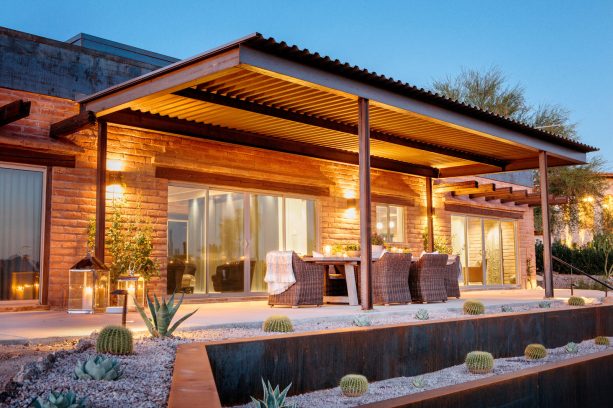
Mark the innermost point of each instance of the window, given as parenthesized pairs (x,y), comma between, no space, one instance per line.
(21,209)
(218,240)
(390,222)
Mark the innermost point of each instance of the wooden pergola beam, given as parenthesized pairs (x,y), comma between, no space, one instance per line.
(10,153)
(217,133)
(554,201)
(516,195)
(216,98)
(14,111)
(447,186)
(483,188)
(492,195)
(72,124)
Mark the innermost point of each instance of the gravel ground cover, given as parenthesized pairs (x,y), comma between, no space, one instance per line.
(147,373)
(400,386)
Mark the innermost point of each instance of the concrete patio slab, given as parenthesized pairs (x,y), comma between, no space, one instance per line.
(45,326)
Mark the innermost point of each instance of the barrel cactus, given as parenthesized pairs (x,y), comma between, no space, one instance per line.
(361,321)
(98,368)
(354,385)
(571,348)
(58,399)
(479,362)
(535,352)
(279,324)
(115,340)
(473,307)
(422,314)
(576,301)
(602,341)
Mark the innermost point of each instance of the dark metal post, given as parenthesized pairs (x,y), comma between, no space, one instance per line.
(101,190)
(547,261)
(365,204)
(429,214)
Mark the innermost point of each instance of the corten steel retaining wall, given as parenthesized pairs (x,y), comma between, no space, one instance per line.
(314,361)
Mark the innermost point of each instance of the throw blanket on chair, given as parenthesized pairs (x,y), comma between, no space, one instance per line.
(279,271)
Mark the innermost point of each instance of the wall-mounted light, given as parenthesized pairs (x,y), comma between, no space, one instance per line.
(114,165)
(352,203)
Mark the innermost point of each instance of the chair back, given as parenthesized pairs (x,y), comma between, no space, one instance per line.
(433,260)
(393,263)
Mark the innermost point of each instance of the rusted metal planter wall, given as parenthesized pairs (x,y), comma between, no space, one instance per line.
(315,361)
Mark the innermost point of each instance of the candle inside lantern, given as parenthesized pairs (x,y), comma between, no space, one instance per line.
(327,250)
(88,298)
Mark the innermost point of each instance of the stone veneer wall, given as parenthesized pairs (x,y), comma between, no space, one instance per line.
(73,190)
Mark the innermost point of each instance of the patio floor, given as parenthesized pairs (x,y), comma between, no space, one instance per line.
(17,327)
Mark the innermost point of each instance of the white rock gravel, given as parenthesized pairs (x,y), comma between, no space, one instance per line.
(400,386)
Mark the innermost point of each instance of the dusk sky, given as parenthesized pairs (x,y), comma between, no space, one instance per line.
(561,52)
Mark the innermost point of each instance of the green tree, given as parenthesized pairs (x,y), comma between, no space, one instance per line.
(491,90)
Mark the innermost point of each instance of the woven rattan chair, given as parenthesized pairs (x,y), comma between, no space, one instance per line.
(427,278)
(452,287)
(308,289)
(390,279)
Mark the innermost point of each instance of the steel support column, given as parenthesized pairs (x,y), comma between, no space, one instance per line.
(101,190)
(365,205)
(429,214)
(547,267)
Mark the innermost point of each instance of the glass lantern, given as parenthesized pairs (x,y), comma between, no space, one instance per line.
(88,286)
(135,286)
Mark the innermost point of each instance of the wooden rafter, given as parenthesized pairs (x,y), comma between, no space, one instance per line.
(216,98)
(554,201)
(72,124)
(448,186)
(482,188)
(492,195)
(516,195)
(14,111)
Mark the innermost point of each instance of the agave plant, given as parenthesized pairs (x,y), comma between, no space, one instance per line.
(57,399)
(273,398)
(419,382)
(361,321)
(162,314)
(98,368)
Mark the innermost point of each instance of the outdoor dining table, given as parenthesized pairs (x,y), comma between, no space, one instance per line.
(348,263)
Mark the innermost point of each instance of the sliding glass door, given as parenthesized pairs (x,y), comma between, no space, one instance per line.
(487,249)
(21,219)
(218,240)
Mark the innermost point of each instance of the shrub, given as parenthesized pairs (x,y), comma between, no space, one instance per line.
(273,398)
(601,341)
(479,362)
(576,301)
(279,324)
(590,258)
(57,399)
(98,368)
(422,314)
(162,314)
(535,352)
(473,307)
(354,385)
(571,348)
(115,340)
(361,321)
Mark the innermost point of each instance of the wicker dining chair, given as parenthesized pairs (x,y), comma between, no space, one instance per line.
(452,287)
(390,279)
(427,278)
(308,289)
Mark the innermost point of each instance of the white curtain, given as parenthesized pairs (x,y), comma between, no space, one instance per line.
(20,232)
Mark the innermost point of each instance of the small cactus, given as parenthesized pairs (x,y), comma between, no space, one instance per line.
(115,340)
(422,314)
(602,341)
(354,385)
(278,324)
(57,399)
(98,368)
(571,348)
(506,309)
(545,304)
(419,382)
(273,397)
(473,307)
(361,321)
(576,301)
(535,352)
(479,362)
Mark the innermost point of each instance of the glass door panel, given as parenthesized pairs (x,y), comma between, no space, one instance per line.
(396,224)
(225,239)
(21,193)
(474,261)
(266,213)
(300,226)
(458,241)
(509,250)
(186,250)
(493,252)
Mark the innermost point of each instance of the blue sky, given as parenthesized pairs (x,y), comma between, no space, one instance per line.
(560,51)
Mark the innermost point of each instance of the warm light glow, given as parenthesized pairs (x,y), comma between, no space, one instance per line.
(114,165)
(350,213)
(115,189)
(349,194)
(392,224)
(327,250)
(588,199)
(379,225)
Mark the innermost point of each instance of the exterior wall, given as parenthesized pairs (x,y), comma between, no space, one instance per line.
(73,189)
